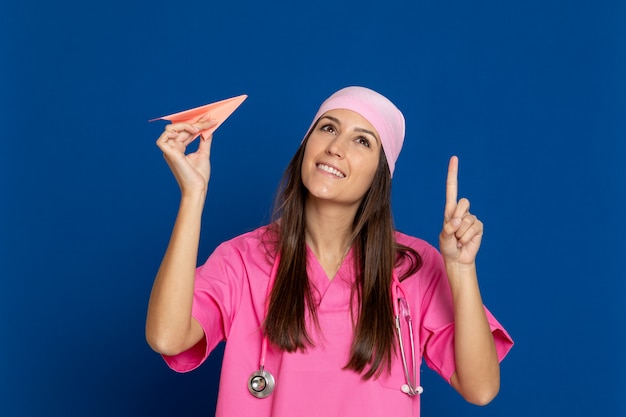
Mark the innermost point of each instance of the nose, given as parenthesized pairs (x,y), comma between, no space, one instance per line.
(336,148)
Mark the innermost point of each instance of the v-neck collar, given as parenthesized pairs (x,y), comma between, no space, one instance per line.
(319,278)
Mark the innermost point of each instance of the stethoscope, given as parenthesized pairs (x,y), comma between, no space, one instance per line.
(402,305)
(262,383)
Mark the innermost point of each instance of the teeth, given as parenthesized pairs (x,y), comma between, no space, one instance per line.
(331,170)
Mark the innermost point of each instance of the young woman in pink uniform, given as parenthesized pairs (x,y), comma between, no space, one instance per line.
(328,311)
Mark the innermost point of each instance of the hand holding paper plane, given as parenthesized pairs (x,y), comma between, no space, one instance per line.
(219,111)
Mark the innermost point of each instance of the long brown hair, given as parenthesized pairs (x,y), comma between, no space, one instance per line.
(376,253)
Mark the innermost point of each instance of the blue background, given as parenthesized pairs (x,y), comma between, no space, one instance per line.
(530,94)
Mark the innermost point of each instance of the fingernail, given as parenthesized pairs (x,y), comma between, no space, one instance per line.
(456,222)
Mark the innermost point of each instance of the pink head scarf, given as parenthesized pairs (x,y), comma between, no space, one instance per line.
(378,110)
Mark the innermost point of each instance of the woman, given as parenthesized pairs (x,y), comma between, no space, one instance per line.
(308,302)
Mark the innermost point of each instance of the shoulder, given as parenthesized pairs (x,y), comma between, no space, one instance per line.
(247,237)
(253,247)
(422,247)
(235,261)
(260,238)
(431,268)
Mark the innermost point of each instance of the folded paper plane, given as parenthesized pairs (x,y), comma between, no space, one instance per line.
(220,110)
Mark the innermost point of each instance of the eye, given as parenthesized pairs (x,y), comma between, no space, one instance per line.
(329,128)
(363,141)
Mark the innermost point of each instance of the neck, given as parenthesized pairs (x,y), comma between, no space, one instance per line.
(329,232)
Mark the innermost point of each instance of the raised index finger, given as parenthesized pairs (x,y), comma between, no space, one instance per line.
(452,188)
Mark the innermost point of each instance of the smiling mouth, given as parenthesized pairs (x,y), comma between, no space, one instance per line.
(331,170)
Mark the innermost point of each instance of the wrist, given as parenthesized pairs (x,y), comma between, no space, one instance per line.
(459,275)
(196,196)
(459,267)
(194,191)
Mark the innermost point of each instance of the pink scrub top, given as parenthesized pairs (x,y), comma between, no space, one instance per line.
(229,303)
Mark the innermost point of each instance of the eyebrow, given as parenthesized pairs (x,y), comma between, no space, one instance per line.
(356,129)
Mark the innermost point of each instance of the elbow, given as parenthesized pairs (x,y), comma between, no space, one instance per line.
(477,391)
(161,348)
(483,395)
(168,346)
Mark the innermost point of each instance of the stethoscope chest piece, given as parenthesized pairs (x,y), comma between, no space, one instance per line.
(261,383)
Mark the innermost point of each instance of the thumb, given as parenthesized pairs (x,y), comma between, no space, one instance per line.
(450,227)
(205,145)
(447,236)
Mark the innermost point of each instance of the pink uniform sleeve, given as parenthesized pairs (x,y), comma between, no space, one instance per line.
(437,318)
(217,292)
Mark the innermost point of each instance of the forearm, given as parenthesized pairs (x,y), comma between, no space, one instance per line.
(477,376)
(169,326)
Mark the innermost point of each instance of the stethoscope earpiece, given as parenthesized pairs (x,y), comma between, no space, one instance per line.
(407,390)
(261,383)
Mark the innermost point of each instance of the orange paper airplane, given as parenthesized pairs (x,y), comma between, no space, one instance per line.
(220,110)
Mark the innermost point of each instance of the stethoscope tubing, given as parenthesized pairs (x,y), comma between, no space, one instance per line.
(267,385)
(411,388)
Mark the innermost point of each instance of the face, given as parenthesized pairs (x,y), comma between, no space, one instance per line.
(341,157)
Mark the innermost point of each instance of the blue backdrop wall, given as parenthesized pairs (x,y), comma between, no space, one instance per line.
(530,95)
